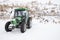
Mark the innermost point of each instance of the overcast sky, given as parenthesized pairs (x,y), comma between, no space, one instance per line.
(24,1)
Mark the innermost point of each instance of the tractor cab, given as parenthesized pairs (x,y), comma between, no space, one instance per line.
(20,14)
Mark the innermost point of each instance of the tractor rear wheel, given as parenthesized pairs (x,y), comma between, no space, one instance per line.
(29,23)
(7,27)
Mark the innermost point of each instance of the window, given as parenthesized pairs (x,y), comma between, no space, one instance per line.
(19,13)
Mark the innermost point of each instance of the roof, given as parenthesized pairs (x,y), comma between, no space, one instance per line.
(21,9)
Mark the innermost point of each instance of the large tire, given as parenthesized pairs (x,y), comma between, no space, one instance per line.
(23,27)
(6,27)
(29,23)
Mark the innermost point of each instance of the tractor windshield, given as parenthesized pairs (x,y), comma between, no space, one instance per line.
(17,13)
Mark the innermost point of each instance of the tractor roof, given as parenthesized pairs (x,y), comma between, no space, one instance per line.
(21,9)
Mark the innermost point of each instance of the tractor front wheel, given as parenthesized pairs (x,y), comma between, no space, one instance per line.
(7,27)
(23,27)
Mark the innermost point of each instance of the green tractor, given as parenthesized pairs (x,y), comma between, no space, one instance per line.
(20,20)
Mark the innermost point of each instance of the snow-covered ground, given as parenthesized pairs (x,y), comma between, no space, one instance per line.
(39,31)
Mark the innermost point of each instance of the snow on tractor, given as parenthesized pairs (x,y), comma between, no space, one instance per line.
(21,20)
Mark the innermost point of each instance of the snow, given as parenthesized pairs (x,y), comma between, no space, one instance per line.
(43,28)
(25,1)
(36,8)
(39,31)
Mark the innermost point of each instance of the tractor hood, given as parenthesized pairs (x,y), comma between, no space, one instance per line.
(16,20)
